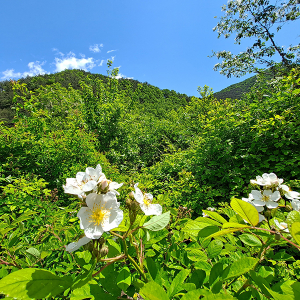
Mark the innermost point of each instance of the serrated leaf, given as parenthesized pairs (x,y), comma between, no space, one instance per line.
(124,279)
(250,240)
(295,231)
(214,248)
(33,251)
(192,295)
(114,248)
(240,267)
(196,254)
(153,291)
(208,220)
(177,282)
(90,291)
(207,231)
(23,217)
(222,232)
(158,222)
(193,227)
(234,225)
(292,217)
(214,215)
(151,266)
(33,284)
(246,210)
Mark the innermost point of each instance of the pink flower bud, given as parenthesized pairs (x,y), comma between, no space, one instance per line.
(104,184)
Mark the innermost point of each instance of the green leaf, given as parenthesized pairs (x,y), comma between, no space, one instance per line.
(208,230)
(240,267)
(124,279)
(215,273)
(222,232)
(192,295)
(90,291)
(158,222)
(177,282)
(196,254)
(234,225)
(151,266)
(292,217)
(114,248)
(108,279)
(208,295)
(197,277)
(193,227)
(214,215)
(295,231)
(34,252)
(203,265)
(33,284)
(83,258)
(208,220)
(246,210)
(23,217)
(250,240)
(214,248)
(153,291)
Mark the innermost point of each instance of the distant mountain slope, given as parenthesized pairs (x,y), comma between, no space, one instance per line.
(235,91)
(153,99)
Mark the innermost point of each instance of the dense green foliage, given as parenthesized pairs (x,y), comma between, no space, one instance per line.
(144,93)
(193,153)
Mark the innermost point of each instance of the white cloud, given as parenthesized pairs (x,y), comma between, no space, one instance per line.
(110,51)
(71,62)
(120,75)
(96,48)
(35,68)
(9,74)
(102,62)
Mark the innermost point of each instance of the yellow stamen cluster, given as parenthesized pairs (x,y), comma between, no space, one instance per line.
(147,201)
(265,198)
(99,214)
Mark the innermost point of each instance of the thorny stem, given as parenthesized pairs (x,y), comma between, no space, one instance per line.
(272,231)
(137,268)
(115,259)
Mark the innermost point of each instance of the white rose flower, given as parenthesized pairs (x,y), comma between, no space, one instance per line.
(84,182)
(288,193)
(267,198)
(145,201)
(295,204)
(76,245)
(110,186)
(101,214)
(282,225)
(268,180)
(250,200)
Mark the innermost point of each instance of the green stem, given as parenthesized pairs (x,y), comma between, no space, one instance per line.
(137,268)
(115,234)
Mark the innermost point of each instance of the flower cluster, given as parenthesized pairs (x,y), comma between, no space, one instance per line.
(268,193)
(100,211)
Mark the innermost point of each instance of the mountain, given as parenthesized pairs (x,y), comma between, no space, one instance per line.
(152,98)
(235,91)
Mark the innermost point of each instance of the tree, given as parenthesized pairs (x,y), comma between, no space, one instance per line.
(258,20)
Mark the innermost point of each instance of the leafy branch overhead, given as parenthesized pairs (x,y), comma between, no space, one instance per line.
(258,21)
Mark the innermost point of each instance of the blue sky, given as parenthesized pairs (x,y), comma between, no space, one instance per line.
(163,42)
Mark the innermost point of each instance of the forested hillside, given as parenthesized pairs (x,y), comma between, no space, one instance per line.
(144,93)
(187,150)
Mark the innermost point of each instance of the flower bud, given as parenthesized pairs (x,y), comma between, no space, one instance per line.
(128,203)
(277,236)
(103,251)
(131,196)
(104,184)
